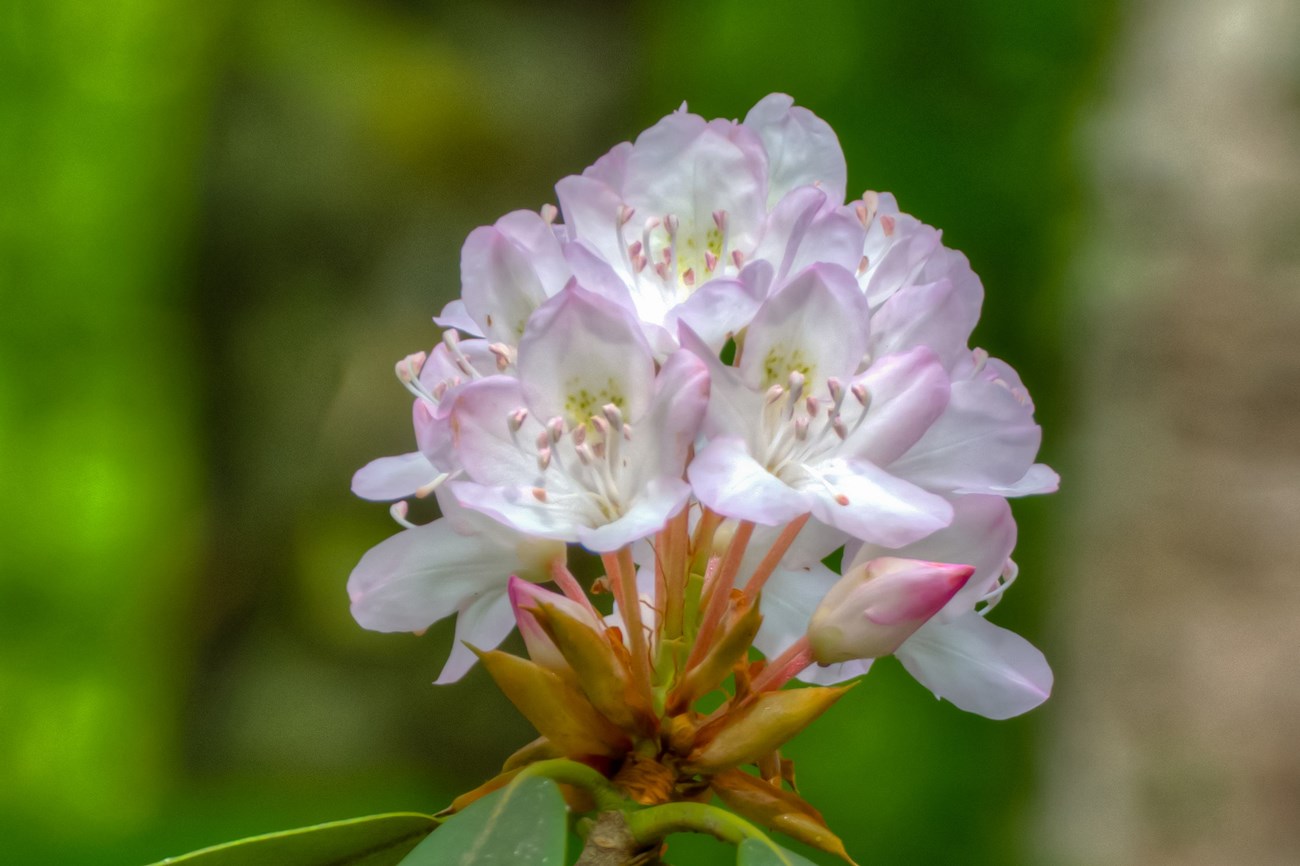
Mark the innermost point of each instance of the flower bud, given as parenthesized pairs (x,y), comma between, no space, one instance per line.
(525,598)
(878,605)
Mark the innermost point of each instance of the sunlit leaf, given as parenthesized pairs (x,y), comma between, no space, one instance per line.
(523,824)
(379,840)
(756,852)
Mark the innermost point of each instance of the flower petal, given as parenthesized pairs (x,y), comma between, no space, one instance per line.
(649,512)
(984,442)
(582,352)
(728,480)
(720,308)
(387,478)
(908,393)
(939,315)
(818,324)
(869,503)
(499,284)
(807,227)
(801,148)
(455,315)
(484,622)
(978,666)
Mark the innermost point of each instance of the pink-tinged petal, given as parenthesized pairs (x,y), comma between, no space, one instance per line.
(720,308)
(556,518)
(789,598)
(734,409)
(455,315)
(982,535)
(869,503)
(801,148)
(900,258)
(415,578)
(582,352)
(818,324)
(485,445)
(1039,479)
(498,283)
(388,478)
(648,513)
(690,168)
(594,274)
(484,622)
(984,441)
(532,234)
(665,434)
(728,480)
(807,227)
(525,597)
(591,214)
(907,393)
(611,169)
(939,315)
(978,666)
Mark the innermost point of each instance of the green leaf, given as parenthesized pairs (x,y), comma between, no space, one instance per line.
(379,840)
(523,824)
(760,852)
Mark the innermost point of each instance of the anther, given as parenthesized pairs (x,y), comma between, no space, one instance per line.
(504,354)
(398,511)
(738,258)
(837,424)
(720,220)
(579,434)
(539,493)
(671,224)
(613,414)
(625,214)
(812,404)
(627,432)
(797,380)
(801,428)
(601,425)
(544,457)
(861,211)
(662,270)
(439,390)
(634,249)
(841,499)
(776,392)
(408,369)
(836,387)
(549,213)
(861,394)
(516,419)
(556,428)
(863,265)
(583,451)
(887,223)
(688,278)
(710,261)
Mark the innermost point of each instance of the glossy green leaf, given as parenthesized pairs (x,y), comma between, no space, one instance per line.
(758,852)
(523,824)
(379,840)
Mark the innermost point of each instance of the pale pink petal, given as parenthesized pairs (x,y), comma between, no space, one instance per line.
(984,441)
(537,238)
(869,503)
(582,352)
(484,622)
(937,315)
(728,480)
(612,167)
(654,504)
(664,435)
(807,227)
(817,324)
(720,308)
(734,408)
(499,284)
(455,315)
(907,393)
(978,666)
(1039,479)
(903,253)
(591,214)
(801,148)
(487,448)
(388,478)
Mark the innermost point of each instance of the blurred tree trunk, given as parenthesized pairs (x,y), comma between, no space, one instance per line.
(1175,724)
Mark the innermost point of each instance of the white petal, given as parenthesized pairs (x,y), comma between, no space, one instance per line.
(789,599)
(454,315)
(649,512)
(662,438)
(720,308)
(978,666)
(728,480)
(801,147)
(484,443)
(484,622)
(517,508)
(881,507)
(387,478)
(582,352)
(734,408)
(807,227)
(984,441)
(939,315)
(499,285)
(817,324)
(417,577)
(908,393)
(1039,479)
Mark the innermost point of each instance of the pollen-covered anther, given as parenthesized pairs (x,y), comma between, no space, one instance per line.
(625,214)
(861,394)
(516,419)
(797,381)
(887,223)
(863,264)
(837,424)
(738,258)
(555,427)
(710,261)
(841,499)
(539,493)
(671,224)
(662,270)
(775,393)
(812,405)
(504,354)
(549,212)
(613,414)
(688,278)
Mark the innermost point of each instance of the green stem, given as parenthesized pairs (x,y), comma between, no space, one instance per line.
(651,825)
(568,772)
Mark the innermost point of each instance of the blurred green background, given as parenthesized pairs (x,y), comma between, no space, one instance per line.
(223,222)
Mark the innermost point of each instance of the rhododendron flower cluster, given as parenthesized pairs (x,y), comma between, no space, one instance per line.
(711,371)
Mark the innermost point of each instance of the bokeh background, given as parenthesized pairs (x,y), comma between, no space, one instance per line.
(221,223)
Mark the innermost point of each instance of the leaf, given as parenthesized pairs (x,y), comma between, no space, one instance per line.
(378,840)
(523,824)
(757,852)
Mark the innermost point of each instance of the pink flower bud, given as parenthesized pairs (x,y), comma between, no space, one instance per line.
(525,597)
(878,605)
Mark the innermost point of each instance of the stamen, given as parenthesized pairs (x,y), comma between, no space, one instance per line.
(887,223)
(549,213)
(517,418)
(776,392)
(556,428)
(539,493)
(863,265)
(836,387)
(398,511)
(688,278)
(505,355)
(408,369)
(433,485)
(801,428)
(710,261)
(625,215)
(860,394)
(797,380)
(813,405)
(738,259)
(613,414)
